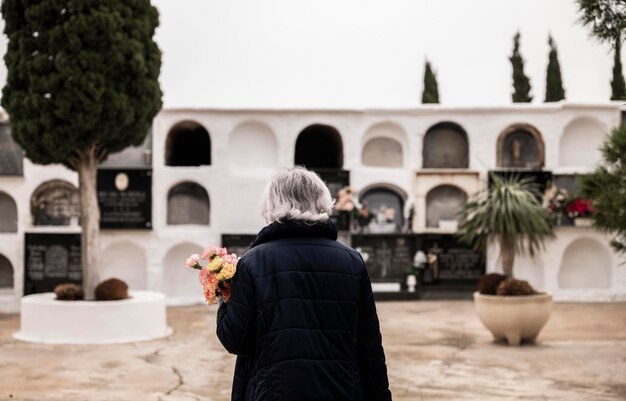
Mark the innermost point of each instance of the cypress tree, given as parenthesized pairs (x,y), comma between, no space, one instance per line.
(82,82)
(521,83)
(618,86)
(554,82)
(430,94)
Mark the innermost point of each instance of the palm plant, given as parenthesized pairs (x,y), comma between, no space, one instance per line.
(510,213)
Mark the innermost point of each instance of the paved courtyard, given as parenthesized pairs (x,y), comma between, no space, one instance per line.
(436,350)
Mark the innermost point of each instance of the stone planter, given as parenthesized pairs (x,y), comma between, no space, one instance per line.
(583,222)
(141,317)
(514,318)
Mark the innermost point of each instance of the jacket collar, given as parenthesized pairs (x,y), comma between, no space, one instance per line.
(295,229)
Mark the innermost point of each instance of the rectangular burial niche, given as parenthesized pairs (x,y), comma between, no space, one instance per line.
(237,243)
(450,261)
(541,178)
(11,154)
(50,260)
(125,198)
(388,257)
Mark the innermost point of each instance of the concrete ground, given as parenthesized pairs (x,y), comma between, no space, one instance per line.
(436,350)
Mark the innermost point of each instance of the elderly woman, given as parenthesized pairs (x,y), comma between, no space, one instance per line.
(302,319)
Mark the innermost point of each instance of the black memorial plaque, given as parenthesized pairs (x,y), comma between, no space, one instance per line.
(125,198)
(336,180)
(11,154)
(541,178)
(237,243)
(50,260)
(387,256)
(452,260)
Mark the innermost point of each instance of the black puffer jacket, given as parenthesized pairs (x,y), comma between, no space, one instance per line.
(302,320)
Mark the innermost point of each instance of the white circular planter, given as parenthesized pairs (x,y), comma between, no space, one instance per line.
(514,318)
(139,318)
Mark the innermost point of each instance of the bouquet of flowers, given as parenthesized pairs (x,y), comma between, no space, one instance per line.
(555,200)
(579,207)
(348,201)
(216,276)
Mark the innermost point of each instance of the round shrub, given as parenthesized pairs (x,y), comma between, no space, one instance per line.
(512,286)
(112,289)
(489,283)
(69,292)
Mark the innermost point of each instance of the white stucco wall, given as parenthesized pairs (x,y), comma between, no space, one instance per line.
(246,146)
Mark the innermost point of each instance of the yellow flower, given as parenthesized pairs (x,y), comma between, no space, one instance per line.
(215,264)
(228,271)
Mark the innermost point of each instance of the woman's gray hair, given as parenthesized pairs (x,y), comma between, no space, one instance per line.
(296,194)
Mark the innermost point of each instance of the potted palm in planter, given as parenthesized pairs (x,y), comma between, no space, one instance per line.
(510,214)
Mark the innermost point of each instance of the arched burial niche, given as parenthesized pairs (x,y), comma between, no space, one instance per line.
(188,203)
(55,203)
(520,146)
(6,274)
(581,141)
(8,214)
(178,282)
(319,146)
(385,204)
(188,144)
(127,262)
(445,146)
(383,146)
(444,203)
(256,146)
(586,263)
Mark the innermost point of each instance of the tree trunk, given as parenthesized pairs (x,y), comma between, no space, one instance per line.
(507,254)
(89,220)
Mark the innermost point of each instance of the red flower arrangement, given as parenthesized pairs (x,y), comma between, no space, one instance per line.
(579,207)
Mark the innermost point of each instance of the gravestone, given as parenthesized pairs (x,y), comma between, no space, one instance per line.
(50,260)
(388,257)
(450,260)
(540,177)
(11,154)
(520,149)
(55,203)
(444,203)
(237,243)
(125,198)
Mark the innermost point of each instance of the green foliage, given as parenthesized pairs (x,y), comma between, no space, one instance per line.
(554,82)
(606,18)
(431,89)
(508,211)
(606,187)
(618,86)
(82,74)
(521,83)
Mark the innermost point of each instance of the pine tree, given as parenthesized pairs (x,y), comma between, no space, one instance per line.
(521,83)
(606,187)
(430,93)
(618,86)
(554,82)
(82,82)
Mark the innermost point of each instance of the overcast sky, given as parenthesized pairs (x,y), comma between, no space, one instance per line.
(366,53)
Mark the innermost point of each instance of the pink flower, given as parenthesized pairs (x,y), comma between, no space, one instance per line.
(192,261)
(222,252)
